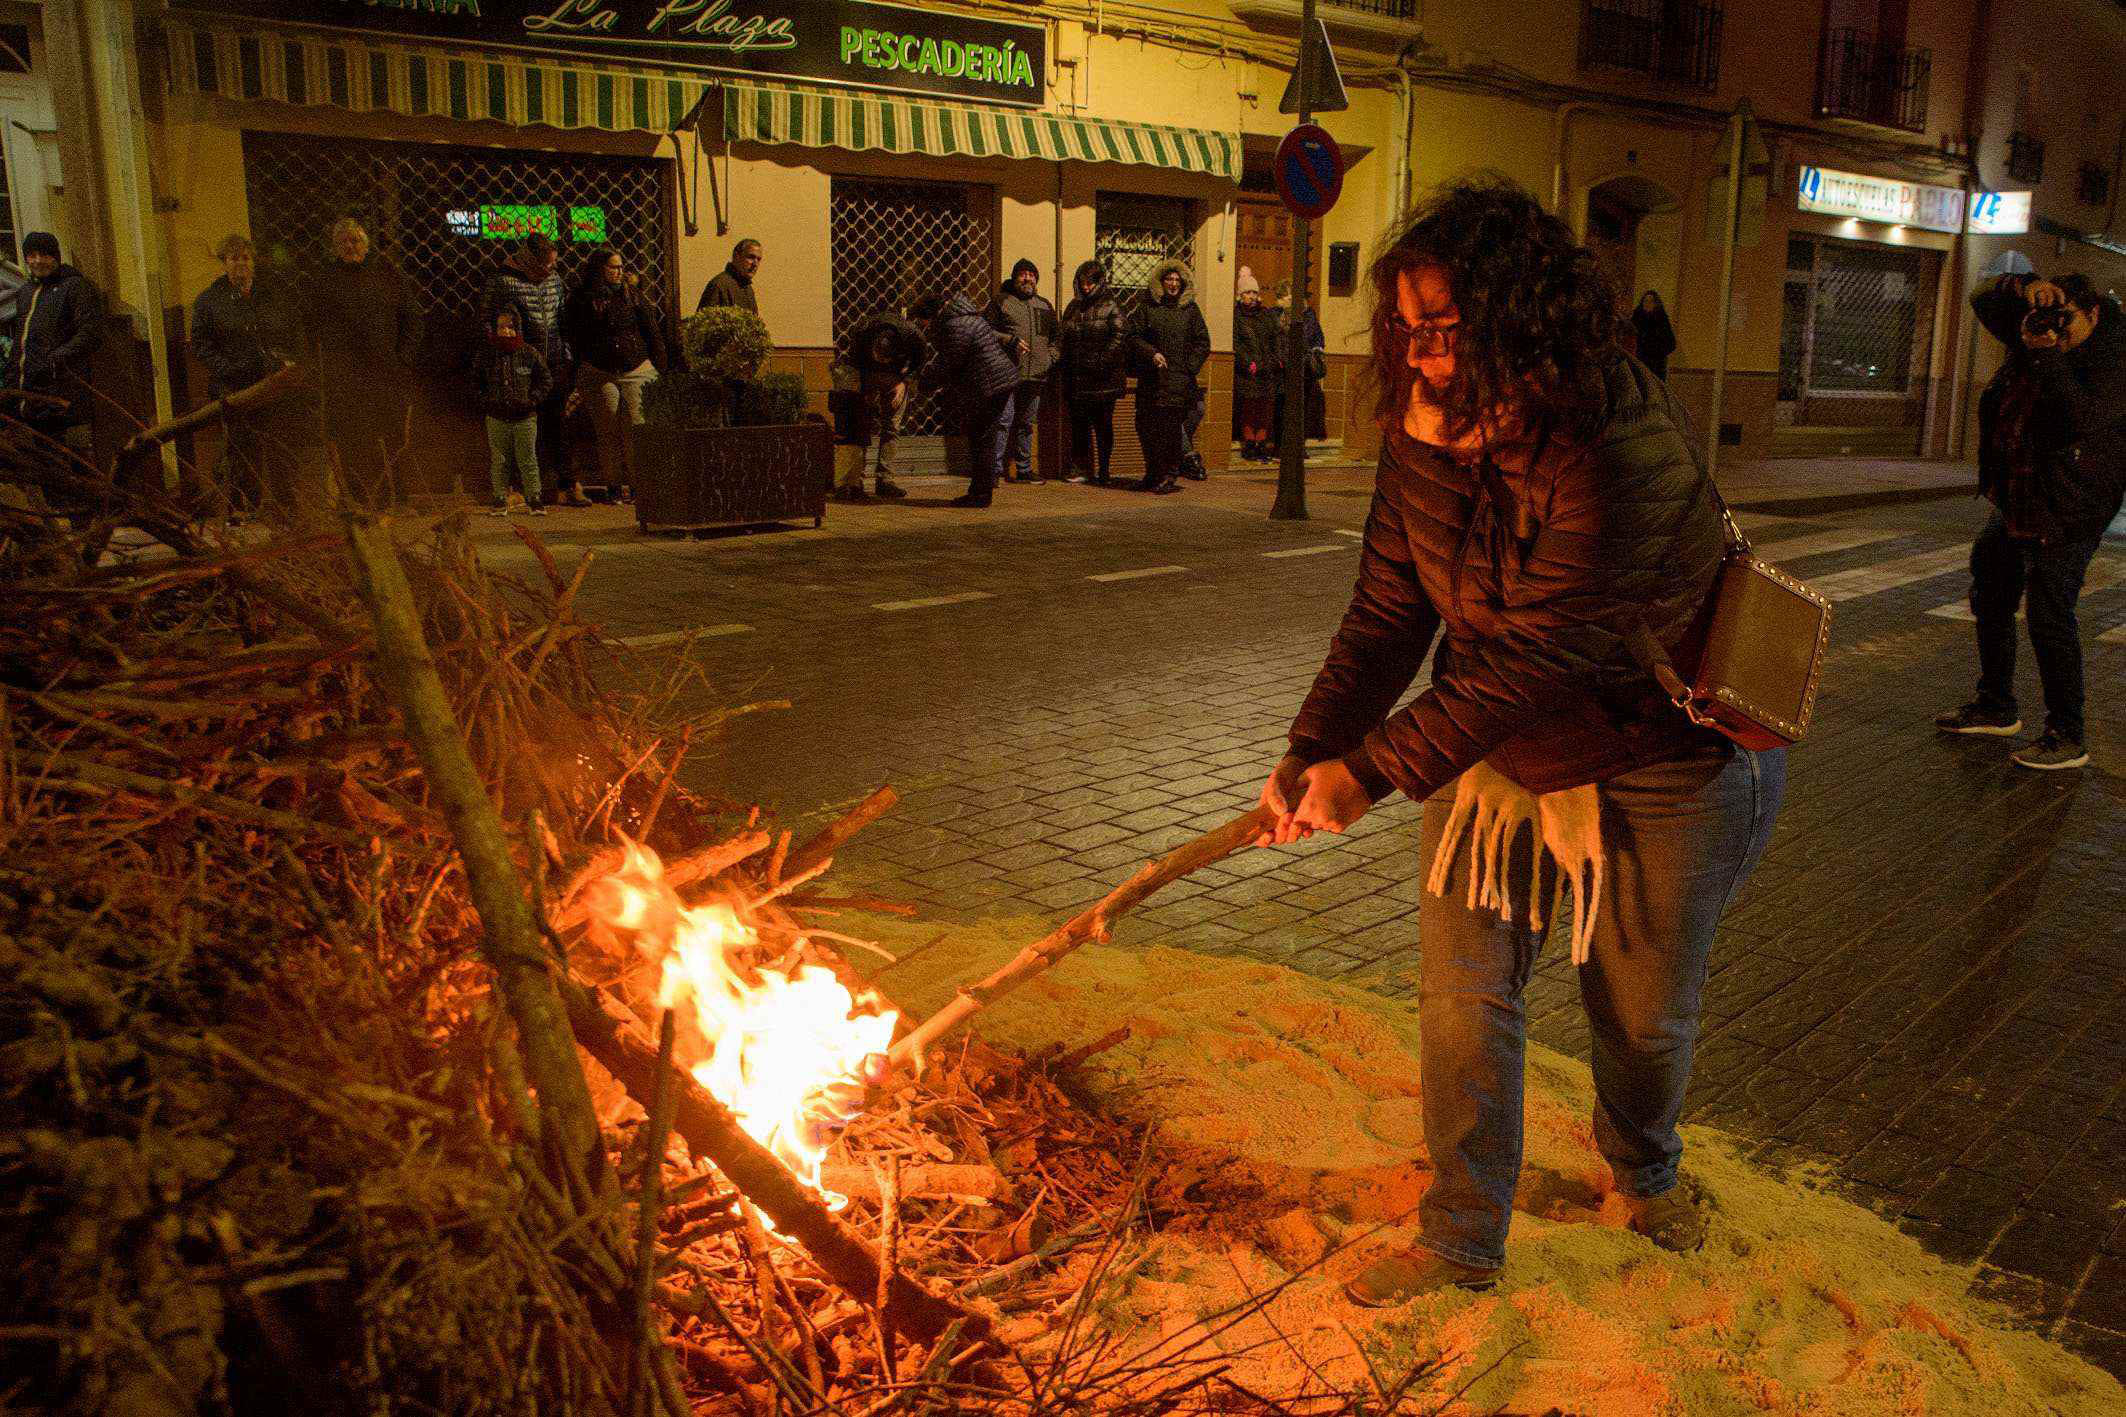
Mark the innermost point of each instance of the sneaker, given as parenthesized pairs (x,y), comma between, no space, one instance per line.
(2051,752)
(852,493)
(969,500)
(1195,472)
(1166,486)
(538,509)
(498,509)
(574,498)
(890,490)
(1976,718)
(1402,1276)
(1673,1220)
(1078,479)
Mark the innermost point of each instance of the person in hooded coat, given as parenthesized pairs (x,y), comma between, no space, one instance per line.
(1172,343)
(1095,357)
(1655,337)
(977,368)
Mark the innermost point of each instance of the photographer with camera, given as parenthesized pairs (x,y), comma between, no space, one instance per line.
(2052,461)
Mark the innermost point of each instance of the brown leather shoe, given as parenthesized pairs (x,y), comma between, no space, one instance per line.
(1674,1220)
(1402,1276)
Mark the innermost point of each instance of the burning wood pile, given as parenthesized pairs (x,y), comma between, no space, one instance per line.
(322,854)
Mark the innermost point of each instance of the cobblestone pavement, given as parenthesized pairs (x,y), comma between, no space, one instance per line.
(1922,990)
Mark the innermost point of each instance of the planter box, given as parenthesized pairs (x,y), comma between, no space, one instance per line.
(690,478)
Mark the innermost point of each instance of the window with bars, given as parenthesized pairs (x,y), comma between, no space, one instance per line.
(441,214)
(891,243)
(1133,234)
(1673,40)
(2092,185)
(2026,158)
(1855,319)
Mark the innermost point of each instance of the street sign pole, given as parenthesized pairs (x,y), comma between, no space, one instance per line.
(1291,503)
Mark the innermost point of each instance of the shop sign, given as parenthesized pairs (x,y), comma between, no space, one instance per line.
(1884,199)
(1999,213)
(852,42)
(506,221)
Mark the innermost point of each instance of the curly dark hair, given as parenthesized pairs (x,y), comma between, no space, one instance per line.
(1538,316)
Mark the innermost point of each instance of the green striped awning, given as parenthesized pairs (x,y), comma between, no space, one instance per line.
(865,122)
(363,76)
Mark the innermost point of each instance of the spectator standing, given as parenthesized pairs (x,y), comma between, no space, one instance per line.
(1317,370)
(733,285)
(1094,352)
(1172,344)
(1257,367)
(618,341)
(512,380)
(977,368)
(56,332)
(2052,462)
(1654,336)
(364,325)
(1024,314)
(242,331)
(531,280)
(886,351)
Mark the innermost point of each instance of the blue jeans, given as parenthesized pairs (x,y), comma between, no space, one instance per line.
(1678,839)
(2046,579)
(1025,414)
(988,420)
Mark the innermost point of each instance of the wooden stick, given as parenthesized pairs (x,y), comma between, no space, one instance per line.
(836,834)
(86,775)
(1091,923)
(280,384)
(797,1212)
(926,1179)
(511,939)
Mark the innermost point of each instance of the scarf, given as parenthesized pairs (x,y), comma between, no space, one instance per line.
(1493,808)
(508,344)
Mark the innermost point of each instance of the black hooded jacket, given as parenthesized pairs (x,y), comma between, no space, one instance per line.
(1095,341)
(1175,329)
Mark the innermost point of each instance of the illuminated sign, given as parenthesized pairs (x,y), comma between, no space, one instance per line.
(587,225)
(1884,199)
(509,221)
(506,221)
(910,48)
(1999,214)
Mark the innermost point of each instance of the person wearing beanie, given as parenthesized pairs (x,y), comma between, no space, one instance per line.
(1027,318)
(1257,367)
(57,327)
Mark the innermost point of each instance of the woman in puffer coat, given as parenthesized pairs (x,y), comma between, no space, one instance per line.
(1258,367)
(1096,347)
(1171,343)
(1540,513)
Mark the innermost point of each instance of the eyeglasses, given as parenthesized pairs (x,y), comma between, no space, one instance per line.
(1431,337)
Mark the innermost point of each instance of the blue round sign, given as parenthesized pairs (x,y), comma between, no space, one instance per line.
(1309,171)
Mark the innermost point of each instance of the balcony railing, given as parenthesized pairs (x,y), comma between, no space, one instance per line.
(2026,158)
(1873,81)
(1676,41)
(1386,9)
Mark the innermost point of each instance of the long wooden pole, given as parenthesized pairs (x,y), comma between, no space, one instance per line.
(1091,923)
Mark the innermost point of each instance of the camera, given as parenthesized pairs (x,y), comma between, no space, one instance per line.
(2048,320)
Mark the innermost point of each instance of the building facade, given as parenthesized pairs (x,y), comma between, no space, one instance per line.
(877,150)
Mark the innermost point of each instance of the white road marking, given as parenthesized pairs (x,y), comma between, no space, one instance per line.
(1139,575)
(2104,572)
(1301,551)
(1346,531)
(1822,543)
(927,601)
(1889,575)
(673,637)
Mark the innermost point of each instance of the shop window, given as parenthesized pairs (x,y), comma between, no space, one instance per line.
(890,243)
(444,216)
(1133,234)
(1856,321)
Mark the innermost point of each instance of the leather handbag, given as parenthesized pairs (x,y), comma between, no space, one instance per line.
(1764,646)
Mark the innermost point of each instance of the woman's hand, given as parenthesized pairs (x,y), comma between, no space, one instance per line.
(1334,801)
(1281,793)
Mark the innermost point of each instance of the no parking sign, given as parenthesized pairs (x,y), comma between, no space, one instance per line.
(1310,171)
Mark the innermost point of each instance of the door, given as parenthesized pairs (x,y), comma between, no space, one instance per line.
(1264,244)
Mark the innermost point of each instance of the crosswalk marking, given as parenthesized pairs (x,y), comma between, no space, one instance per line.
(1889,575)
(1822,543)
(1301,551)
(2104,572)
(673,637)
(927,601)
(1346,531)
(1139,575)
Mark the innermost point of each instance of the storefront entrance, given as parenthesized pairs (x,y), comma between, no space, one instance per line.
(1857,324)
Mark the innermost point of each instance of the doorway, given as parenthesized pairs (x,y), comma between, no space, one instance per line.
(1634,226)
(1263,244)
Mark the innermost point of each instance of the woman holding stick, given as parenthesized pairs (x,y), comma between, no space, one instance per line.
(1538,510)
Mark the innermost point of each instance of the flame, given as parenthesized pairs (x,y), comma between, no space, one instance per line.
(788,1053)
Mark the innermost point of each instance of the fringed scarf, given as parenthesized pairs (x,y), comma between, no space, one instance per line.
(1568,825)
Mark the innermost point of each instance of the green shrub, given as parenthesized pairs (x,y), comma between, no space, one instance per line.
(724,343)
(772,399)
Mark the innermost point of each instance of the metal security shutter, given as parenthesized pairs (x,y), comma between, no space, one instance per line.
(889,244)
(1132,236)
(1857,325)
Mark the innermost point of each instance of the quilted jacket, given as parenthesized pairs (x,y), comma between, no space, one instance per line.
(1535,568)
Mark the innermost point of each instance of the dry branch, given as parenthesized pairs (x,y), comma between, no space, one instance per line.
(838,833)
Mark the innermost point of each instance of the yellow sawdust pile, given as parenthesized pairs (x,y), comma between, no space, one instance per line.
(1295,1103)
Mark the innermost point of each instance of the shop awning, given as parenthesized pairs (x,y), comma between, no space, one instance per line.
(864,122)
(379,77)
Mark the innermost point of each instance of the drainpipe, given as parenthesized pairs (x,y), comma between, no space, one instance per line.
(1405,108)
(1560,132)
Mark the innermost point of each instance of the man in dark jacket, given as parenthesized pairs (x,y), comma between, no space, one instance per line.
(1020,312)
(886,351)
(2052,460)
(531,282)
(365,328)
(56,332)
(977,368)
(1094,347)
(733,285)
(242,331)
(1172,344)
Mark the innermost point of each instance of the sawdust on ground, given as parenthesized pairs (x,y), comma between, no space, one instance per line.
(1290,1105)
